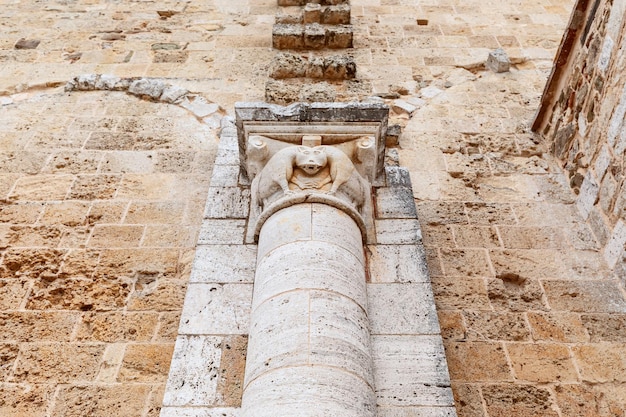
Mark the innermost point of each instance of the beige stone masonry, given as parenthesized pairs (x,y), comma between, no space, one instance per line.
(483,185)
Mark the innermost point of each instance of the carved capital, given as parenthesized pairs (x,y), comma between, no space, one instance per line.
(301,153)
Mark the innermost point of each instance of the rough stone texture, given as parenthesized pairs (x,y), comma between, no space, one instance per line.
(88,283)
(498,61)
(461,205)
(582,114)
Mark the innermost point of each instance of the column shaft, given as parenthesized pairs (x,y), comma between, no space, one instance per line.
(309,348)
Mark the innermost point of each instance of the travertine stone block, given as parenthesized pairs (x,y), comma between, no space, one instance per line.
(542,363)
(216,309)
(326,267)
(449,411)
(227,203)
(225,176)
(397,177)
(308,391)
(50,362)
(331,225)
(402,309)
(410,371)
(298,216)
(395,203)
(287,65)
(222,232)
(280,325)
(224,264)
(590,296)
(398,231)
(194,371)
(200,412)
(309,338)
(397,263)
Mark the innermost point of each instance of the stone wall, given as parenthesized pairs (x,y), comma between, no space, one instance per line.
(532,316)
(101,198)
(583,115)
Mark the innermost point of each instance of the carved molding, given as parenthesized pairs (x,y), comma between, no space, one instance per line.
(329,153)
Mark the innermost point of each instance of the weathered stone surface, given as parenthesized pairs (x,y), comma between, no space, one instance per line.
(224,263)
(216,309)
(117,327)
(402,309)
(222,232)
(227,59)
(410,370)
(523,400)
(232,367)
(194,371)
(348,395)
(515,293)
(398,231)
(115,400)
(24,43)
(605,327)
(498,61)
(31,326)
(397,263)
(21,400)
(146,362)
(470,403)
(489,359)
(558,327)
(542,363)
(487,325)
(601,362)
(286,65)
(585,296)
(62,362)
(455,293)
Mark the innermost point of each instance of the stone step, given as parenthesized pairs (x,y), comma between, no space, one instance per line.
(311,36)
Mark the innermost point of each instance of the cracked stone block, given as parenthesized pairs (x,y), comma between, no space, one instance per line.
(498,61)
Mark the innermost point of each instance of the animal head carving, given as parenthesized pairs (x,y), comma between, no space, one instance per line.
(311,160)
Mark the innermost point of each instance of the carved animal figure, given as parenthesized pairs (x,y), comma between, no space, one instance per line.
(279,171)
(346,180)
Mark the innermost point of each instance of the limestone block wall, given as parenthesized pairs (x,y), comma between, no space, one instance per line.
(522,288)
(101,196)
(583,115)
